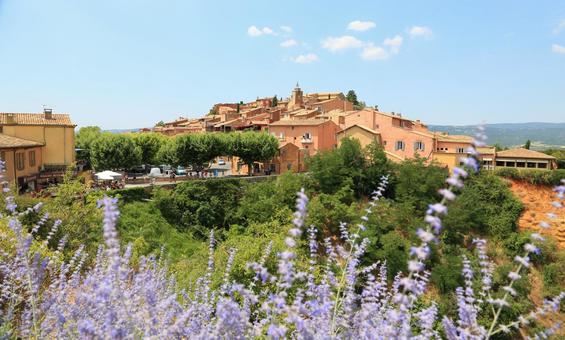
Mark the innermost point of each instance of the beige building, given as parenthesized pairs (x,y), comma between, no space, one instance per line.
(362,133)
(524,159)
(38,146)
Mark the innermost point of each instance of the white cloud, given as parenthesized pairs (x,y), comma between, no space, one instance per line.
(254,31)
(420,31)
(560,27)
(372,52)
(304,58)
(289,43)
(394,43)
(360,26)
(341,43)
(558,49)
(286,29)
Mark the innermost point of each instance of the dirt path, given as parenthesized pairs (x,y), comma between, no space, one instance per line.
(537,203)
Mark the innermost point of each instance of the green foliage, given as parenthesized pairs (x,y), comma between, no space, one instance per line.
(349,164)
(253,147)
(485,205)
(352,97)
(167,153)
(130,194)
(417,183)
(77,209)
(114,151)
(149,143)
(446,276)
(528,144)
(559,154)
(393,249)
(83,140)
(274,101)
(326,212)
(538,177)
(199,206)
(142,225)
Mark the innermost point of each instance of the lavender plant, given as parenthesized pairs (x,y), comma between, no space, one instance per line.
(46,297)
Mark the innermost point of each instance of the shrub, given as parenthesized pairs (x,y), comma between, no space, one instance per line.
(538,177)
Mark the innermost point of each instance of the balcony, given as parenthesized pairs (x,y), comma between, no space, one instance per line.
(306,140)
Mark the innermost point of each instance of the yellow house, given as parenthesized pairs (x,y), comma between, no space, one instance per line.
(365,135)
(50,136)
(22,160)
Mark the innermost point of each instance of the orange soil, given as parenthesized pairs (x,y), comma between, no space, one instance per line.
(537,203)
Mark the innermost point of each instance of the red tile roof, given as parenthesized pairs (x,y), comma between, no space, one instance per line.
(57,119)
(523,153)
(299,122)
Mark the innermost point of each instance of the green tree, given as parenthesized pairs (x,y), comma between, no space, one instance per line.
(377,165)
(160,123)
(274,101)
(418,182)
(83,140)
(115,151)
(528,144)
(331,169)
(167,153)
(149,143)
(352,97)
(253,147)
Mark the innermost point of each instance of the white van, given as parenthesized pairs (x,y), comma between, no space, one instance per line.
(155,172)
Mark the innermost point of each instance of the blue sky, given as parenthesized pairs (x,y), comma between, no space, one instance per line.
(126,64)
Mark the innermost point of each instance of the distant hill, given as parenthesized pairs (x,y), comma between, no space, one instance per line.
(121,130)
(542,135)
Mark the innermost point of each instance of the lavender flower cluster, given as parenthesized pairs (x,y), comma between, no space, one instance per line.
(335,297)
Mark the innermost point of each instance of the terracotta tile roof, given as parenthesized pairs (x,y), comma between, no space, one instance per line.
(299,122)
(361,127)
(523,153)
(15,142)
(37,119)
(486,150)
(455,138)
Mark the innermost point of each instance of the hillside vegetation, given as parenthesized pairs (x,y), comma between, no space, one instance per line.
(348,198)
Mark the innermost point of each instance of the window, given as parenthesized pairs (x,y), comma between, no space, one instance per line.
(1,129)
(419,146)
(521,164)
(510,164)
(20,160)
(3,155)
(531,165)
(384,142)
(460,150)
(499,163)
(32,158)
(307,135)
(399,145)
(281,135)
(542,165)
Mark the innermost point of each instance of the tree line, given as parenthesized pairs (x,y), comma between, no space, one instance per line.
(105,150)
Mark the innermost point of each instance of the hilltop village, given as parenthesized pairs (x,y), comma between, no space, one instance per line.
(306,124)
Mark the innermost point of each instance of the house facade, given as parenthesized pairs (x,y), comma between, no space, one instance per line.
(521,158)
(36,147)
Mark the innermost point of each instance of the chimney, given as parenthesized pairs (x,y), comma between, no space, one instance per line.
(10,119)
(48,113)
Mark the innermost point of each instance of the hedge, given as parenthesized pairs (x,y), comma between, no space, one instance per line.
(541,177)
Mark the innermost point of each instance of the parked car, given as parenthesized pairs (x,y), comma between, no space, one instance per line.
(181,171)
(221,162)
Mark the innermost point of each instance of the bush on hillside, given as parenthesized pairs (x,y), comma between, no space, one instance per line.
(538,177)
